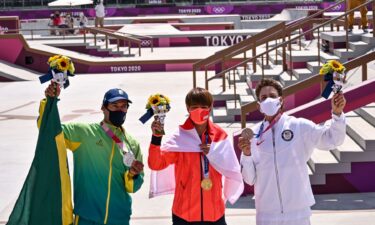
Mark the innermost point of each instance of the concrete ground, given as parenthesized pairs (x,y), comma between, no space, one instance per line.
(82,101)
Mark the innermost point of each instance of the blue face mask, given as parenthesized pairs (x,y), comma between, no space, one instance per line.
(117,118)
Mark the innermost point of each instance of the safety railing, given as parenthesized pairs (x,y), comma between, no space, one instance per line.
(361,61)
(119,37)
(289,42)
(136,36)
(279,31)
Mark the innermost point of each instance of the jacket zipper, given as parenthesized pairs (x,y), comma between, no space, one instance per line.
(200,157)
(109,184)
(277,171)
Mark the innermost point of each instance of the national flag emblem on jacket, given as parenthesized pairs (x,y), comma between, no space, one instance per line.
(45,198)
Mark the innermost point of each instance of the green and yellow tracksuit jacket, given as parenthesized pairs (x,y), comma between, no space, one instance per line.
(102,182)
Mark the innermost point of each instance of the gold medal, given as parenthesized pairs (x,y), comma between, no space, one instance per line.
(206,184)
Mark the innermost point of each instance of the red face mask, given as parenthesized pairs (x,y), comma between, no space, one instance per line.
(199,116)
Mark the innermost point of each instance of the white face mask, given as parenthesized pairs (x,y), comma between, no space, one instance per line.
(270,106)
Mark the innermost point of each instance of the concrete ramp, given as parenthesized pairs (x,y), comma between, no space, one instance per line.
(290,14)
(12,72)
(285,16)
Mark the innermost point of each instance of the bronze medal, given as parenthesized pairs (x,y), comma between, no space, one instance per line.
(206,184)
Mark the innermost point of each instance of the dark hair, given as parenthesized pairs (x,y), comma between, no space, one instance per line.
(198,96)
(268,82)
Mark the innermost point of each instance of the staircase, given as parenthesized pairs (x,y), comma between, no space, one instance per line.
(305,64)
(358,149)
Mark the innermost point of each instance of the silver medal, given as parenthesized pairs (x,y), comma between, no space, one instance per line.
(128,158)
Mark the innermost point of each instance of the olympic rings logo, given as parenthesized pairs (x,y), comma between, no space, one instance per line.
(146,43)
(337,8)
(218,10)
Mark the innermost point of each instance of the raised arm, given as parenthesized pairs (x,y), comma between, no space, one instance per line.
(158,160)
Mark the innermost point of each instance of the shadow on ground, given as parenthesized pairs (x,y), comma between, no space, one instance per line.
(355,201)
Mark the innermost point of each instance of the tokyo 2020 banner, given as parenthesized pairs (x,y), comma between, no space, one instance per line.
(182,10)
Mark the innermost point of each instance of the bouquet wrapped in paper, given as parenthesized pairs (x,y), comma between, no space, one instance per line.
(60,67)
(158,105)
(334,74)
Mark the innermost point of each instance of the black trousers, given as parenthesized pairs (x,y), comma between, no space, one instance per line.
(179,221)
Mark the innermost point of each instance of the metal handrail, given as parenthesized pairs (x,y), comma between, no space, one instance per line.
(134,36)
(119,37)
(241,49)
(295,38)
(350,65)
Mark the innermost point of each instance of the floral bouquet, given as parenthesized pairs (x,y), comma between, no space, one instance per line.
(334,74)
(60,67)
(157,105)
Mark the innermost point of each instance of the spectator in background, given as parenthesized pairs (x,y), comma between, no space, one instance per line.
(57,21)
(63,26)
(82,20)
(51,25)
(99,14)
(352,4)
(69,23)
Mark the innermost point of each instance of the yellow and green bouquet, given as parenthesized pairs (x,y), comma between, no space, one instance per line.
(157,105)
(60,67)
(334,75)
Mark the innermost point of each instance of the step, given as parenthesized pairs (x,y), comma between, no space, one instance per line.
(302,74)
(339,36)
(350,151)
(220,115)
(91,45)
(302,56)
(273,73)
(323,162)
(361,131)
(368,38)
(244,99)
(368,113)
(265,66)
(279,60)
(343,53)
(240,77)
(316,179)
(359,46)
(232,109)
(287,80)
(324,57)
(314,67)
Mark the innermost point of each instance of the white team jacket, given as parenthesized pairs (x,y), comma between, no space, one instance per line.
(277,168)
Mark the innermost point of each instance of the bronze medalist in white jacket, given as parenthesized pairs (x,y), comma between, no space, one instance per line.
(278,169)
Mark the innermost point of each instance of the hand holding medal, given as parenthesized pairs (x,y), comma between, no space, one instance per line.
(128,158)
(244,141)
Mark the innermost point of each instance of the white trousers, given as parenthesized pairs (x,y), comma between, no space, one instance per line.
(305,221)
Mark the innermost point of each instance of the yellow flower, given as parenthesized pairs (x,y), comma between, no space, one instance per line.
(71,68)
(326,68)
(53,58)
(336,66)
(154,100)
(63,64)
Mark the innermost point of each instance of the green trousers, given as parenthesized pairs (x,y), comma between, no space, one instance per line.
(82,221)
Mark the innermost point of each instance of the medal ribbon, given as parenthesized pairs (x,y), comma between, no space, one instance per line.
(205,161)
(261,132)
(110,134)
